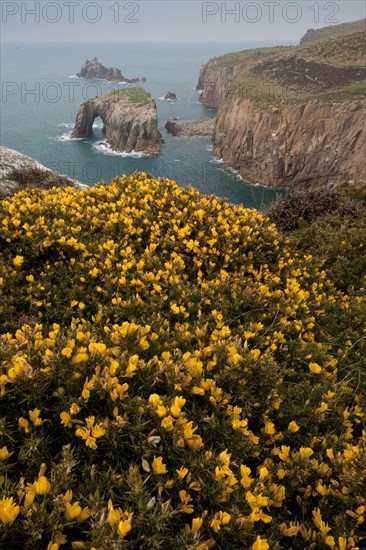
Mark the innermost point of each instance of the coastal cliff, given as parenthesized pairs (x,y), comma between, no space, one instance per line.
(129,120)
(290,116)
(292,146)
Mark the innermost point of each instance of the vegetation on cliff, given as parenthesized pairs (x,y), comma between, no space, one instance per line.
(136,94)
(333,31)
(331,69)
(330,224)
(173,375)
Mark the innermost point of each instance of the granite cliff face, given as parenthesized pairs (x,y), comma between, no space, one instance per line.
(290,116)
(292,146)
(94,69)
(215,78)
(128,125)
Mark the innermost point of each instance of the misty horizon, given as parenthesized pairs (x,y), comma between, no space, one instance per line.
(271,22)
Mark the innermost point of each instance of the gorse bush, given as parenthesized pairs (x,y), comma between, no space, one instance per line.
(341,243)
(304,207)
(173,376)
(329,224)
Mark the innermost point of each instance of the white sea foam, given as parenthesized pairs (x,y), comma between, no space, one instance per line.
(66,125)
(65,137)
(236,174)
(103,80)
(105,148)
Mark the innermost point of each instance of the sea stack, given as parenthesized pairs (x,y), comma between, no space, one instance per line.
(129,120)
(94,69)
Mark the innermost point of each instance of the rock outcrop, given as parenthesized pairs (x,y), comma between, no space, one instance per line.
(202,127)
(170,95)
(94,69)
(215,78)
(18,172)
(129,124)
(291,116)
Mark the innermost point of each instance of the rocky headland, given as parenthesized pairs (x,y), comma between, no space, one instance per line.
(202,127)
(94,69)
(333,31)
(19,172)
(291,116)
(129,120)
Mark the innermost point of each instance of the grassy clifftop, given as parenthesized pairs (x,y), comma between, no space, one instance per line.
(136,94)
(173,375)
(334,31)
(332,68)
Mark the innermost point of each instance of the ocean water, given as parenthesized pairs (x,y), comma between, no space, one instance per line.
(41,97)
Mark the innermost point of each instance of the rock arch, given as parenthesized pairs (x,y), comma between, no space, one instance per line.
(128,126)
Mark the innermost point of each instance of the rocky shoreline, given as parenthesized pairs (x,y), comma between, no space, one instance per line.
(201,127)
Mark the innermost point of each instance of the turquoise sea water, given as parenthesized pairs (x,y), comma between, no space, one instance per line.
(41,97)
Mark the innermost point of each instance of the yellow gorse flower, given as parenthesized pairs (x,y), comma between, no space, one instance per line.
(315,368)
(320,524)
(18,260)
(182,472)
(8,510)
(42,486)
(4,453)
(34,416)
(260,544)
(158,465)
(293,427)
(72,511)
(124,527)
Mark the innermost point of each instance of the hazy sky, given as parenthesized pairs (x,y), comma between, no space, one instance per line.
(277,21)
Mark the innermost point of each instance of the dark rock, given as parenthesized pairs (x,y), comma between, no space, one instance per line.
(170,95)
(94,69)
